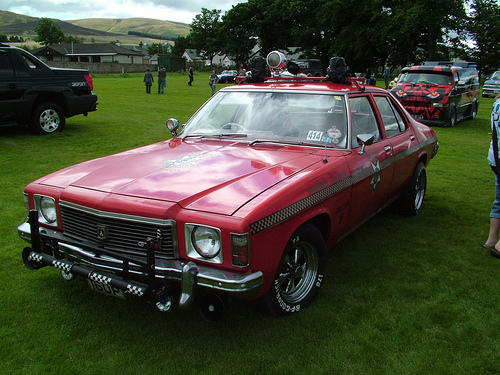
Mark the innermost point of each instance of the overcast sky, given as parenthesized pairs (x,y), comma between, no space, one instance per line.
(167,10)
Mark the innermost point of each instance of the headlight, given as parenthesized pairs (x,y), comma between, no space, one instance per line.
(47,209)
(206,241)
(203,243)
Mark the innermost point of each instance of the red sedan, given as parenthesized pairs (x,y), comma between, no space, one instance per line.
(242,203)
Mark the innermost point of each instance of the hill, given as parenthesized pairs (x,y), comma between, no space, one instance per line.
(168,29)
(96,29)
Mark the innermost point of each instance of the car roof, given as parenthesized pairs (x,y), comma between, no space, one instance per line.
(309,85)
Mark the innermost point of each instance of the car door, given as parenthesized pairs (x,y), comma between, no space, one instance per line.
(11,90)
(401,137)
(371,167)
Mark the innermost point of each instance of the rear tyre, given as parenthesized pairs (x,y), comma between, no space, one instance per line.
(47,118)
(300,273)
(473,111)
(412,198)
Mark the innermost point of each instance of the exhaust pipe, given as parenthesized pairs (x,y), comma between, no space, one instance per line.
(211,307)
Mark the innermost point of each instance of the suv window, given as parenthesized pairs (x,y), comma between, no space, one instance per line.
(363,119)
(393,123)
(33,66)
(6,69)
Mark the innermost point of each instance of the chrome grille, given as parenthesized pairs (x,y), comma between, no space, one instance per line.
(120,233)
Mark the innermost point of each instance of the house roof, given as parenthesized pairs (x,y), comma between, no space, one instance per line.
(74,49)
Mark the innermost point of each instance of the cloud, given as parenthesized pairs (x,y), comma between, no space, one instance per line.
(171,10)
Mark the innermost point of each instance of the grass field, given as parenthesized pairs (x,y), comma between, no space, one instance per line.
(402,295)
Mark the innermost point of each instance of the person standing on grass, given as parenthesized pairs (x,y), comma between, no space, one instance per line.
(162,79)
(493,242)
(387,76)
(148,81)
(191,75)
(212,81)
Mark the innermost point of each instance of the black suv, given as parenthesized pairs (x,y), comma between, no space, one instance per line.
(33,93)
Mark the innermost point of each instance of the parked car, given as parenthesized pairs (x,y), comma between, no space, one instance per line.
(33,93)
(227,76)
(243,203)
(439,94)
(492,85)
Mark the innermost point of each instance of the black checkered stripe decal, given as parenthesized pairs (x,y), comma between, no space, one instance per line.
(33,257)
(135,290)
(62,265)
(100,278)
(299,206)
(304,204)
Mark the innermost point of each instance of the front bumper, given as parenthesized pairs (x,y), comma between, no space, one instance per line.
(150,278)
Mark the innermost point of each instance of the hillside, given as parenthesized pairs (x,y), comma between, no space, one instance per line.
(169,29)
(95,29)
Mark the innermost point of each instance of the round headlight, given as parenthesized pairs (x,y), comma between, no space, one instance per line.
(206,241)
(48,209)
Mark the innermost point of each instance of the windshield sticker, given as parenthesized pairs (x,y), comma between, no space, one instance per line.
(332,135)
(314,135)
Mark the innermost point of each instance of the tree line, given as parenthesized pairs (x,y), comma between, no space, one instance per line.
(367,33)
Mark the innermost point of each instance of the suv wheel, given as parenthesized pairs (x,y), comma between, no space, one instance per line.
(47,118)
(452,117)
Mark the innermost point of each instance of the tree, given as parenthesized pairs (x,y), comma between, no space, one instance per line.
(205,33)
(238,33)
(159,48)
(48,32)
(181,44)
(484,26)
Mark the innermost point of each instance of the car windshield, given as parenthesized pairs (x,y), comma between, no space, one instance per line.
(496,75)
(277,117)
(427,77)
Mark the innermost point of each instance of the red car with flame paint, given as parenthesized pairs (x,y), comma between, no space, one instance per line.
(439,94)
(243,203)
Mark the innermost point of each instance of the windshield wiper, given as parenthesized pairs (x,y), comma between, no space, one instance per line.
(299,143)
(217,135)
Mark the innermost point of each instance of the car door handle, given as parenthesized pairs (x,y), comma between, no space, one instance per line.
(412,137)
(12,86)
(388,149)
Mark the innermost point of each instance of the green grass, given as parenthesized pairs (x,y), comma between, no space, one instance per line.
(402,295)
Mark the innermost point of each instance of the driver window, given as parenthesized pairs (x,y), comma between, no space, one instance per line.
(363,119)
(393,123)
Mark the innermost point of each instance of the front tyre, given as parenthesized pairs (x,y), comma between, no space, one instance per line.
(47,118)
(300,273)
(452,117)
(412,198)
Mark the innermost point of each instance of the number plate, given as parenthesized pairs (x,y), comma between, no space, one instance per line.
(418,117)
(106,289)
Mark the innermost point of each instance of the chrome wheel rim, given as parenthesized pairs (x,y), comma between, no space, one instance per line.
(420,190)
(49,120)
(298,271)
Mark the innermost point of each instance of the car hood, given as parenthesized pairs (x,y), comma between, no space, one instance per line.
(492,82)
(202,175)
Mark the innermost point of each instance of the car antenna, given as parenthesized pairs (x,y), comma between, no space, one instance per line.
(325,159)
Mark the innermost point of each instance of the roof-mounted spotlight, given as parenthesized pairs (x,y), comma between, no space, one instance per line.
(275,60)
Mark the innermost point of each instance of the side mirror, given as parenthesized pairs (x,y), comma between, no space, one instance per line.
(172,125)
(364,140)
